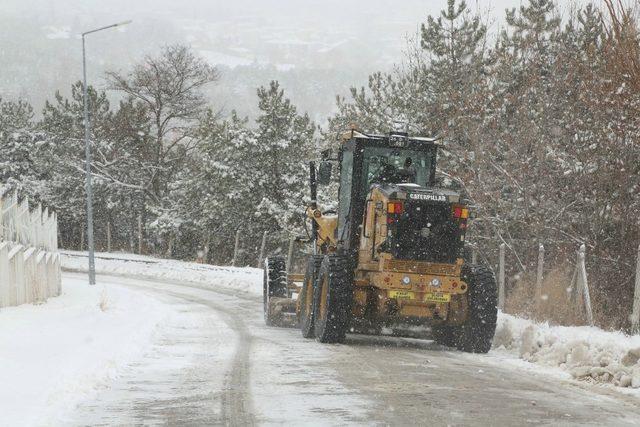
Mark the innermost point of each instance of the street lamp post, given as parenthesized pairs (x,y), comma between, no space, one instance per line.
(87,152)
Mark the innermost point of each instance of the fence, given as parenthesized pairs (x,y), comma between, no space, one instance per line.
(579,294)
(261,254)
(29,258)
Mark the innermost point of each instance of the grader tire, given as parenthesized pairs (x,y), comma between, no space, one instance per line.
(306,295)
(274,285)
(476,334)
(332,299)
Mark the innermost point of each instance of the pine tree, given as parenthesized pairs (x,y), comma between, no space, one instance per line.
(284,141)
(18,144)
(220,193)
(63,125)
(455,42)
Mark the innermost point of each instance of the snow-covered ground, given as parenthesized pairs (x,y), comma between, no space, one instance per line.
(56,354)
(243,280)
(584,353)
(97,341)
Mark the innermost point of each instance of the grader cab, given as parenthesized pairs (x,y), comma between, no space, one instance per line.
(391,253)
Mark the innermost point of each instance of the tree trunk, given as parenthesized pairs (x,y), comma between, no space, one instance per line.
(140,233)
(132,244)
(109,235)
(170,243)
(207,246)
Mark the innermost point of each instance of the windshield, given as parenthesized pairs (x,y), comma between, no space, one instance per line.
(393,165)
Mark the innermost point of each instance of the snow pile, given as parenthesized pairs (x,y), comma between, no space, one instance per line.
(54,355)
(245,280)
(587,353)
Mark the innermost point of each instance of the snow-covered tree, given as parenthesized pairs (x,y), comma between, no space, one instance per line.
(218,190)
(284,142)
(18,144)
(64,160)
(168,90)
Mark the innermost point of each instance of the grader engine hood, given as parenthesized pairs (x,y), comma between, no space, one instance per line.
(430,225)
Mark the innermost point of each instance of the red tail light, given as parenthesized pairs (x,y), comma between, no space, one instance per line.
(394,210)
(460,212)
(395,207)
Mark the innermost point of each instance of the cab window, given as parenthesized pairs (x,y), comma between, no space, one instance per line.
(395,166)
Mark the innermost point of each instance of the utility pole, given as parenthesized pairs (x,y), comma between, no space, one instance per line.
(87,152)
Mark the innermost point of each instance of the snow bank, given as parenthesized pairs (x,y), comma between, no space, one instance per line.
(54,355)
(244,280)
(586,353)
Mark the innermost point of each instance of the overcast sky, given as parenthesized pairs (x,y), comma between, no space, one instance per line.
(297,40)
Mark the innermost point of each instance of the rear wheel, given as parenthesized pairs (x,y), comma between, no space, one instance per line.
(476,335)
(274,284)
(332,299)
(306,295)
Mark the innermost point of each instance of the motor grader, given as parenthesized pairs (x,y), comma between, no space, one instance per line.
(392,253)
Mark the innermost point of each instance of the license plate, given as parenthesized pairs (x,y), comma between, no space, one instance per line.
(402,295)
(437,297)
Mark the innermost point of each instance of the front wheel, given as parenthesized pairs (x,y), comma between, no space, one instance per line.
(274,285)
(332,298)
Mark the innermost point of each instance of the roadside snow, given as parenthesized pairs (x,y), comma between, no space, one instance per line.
(585,353)
(54,355)
(243,280)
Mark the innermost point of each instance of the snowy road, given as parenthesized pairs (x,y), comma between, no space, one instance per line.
(218,364)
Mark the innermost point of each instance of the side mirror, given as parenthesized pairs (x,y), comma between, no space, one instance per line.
(324,173)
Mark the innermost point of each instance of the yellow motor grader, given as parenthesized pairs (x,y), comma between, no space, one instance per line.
(391,253)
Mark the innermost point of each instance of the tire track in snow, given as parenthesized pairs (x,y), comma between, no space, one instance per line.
(236,396)
(410,381)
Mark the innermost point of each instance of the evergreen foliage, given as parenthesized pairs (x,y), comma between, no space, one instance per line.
(542,123)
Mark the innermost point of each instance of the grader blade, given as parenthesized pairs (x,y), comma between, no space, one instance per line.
(283,312)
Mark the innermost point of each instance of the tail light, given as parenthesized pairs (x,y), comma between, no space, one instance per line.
(395,207)
(460,212)
(394,210)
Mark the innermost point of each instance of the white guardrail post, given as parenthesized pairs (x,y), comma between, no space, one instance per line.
(31,282)
(2,227)
(4,274)
(16,261)
(29,257)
